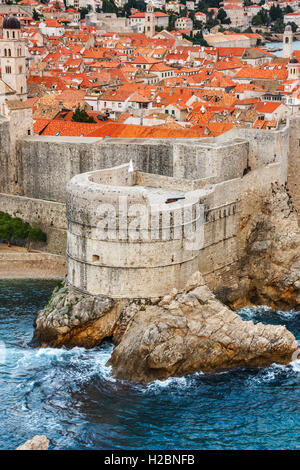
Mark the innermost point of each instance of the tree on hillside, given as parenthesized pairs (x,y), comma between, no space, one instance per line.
(196,39)
(84,11)
(278,26)
(35,15)
(293,25)
(81,115)
(137,4)
(288,9)
(221,14)
(108,6)
(172,19)
(275,13)
(211,22)
(262,18)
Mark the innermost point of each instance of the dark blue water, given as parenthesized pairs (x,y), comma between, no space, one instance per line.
(70,396)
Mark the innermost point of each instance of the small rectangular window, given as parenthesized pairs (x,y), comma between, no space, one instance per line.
(95,258)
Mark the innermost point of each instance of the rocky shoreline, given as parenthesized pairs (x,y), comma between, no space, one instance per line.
(195,329)
(182,333)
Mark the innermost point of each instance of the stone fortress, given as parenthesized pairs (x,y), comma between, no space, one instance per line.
(218,172)
(160,298)
(36,170)
(58,184)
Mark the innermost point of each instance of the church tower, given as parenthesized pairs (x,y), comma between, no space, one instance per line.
(13,66)
(287,41)
(150,21)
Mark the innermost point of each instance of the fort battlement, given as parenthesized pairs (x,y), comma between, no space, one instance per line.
(124,240)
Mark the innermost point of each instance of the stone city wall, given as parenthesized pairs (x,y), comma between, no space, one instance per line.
(265,147)
(5,173)
(222,167)
(46,164)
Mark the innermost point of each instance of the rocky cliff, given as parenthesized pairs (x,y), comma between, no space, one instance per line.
(268,270)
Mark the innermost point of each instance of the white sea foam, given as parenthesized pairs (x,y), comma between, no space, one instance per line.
(79,362)
(295,365)
(254,312)
(171,383)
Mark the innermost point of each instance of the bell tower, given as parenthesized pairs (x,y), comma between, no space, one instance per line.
(287,41)
(150,21)
(13,65)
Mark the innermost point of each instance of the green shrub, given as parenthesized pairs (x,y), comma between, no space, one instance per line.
(14,228)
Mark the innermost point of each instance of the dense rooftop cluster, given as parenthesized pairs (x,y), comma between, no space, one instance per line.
(166,85)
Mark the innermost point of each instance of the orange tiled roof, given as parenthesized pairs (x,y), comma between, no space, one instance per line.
(129,131)
(267,107)
(70,128)
(263,74)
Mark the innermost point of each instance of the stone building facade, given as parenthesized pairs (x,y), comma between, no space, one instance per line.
(13,65)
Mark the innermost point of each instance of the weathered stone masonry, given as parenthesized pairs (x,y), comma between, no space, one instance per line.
(228,163)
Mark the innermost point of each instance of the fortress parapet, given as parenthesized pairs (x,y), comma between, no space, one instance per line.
(125,239)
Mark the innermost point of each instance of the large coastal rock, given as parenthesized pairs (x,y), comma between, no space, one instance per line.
(72,319)
(36,443)
(179,334)
(190,332)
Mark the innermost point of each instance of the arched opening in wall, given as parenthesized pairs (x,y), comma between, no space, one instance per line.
(5,52)
(9,53)
(95,258)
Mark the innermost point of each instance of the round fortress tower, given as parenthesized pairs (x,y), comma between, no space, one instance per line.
(124,240)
